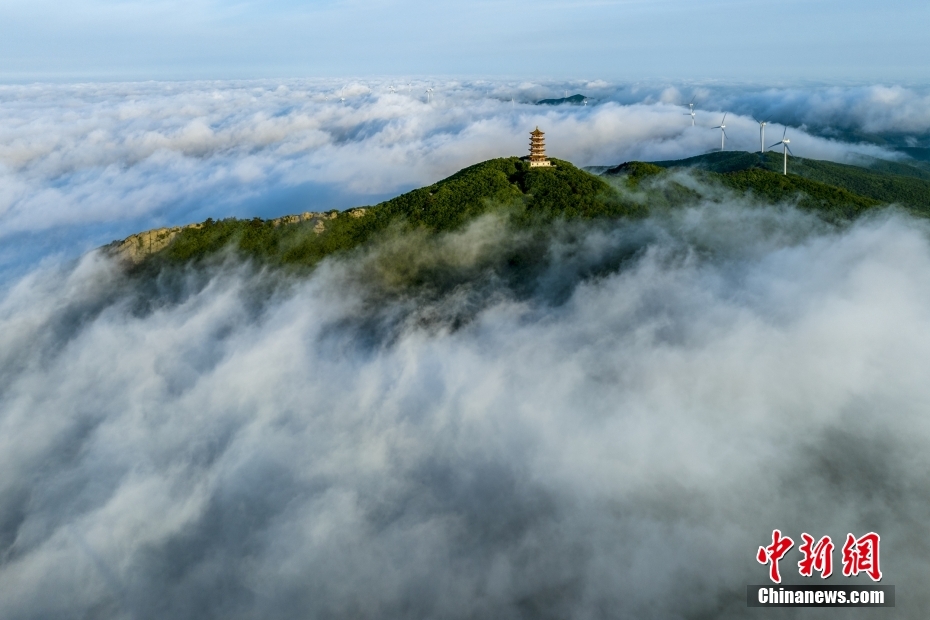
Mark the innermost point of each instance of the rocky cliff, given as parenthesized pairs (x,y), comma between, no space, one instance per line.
(135,248)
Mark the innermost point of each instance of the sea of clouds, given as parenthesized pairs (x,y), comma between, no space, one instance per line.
(612,434)
(588,446)
(84,164)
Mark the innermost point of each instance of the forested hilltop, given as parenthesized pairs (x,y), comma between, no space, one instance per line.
(532,197)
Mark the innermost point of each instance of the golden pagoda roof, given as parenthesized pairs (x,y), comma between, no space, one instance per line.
(536,132)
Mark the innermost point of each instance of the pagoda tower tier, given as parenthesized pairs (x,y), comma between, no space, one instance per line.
(538,149)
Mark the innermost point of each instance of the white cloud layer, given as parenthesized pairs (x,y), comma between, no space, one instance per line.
(81,165)
(330,450)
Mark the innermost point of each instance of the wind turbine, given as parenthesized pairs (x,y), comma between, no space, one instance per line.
(392,89)
(723,131)
(429,93)
(691,113)
(762,125)
(784,142)
(585,102)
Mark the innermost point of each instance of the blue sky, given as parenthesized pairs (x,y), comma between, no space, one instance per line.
(762,41)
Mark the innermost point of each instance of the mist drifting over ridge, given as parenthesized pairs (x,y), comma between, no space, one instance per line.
(413,431)
(84,164)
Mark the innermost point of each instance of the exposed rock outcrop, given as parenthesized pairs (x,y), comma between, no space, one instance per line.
(135,248)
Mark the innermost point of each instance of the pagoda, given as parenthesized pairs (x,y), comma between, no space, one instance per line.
(538,150)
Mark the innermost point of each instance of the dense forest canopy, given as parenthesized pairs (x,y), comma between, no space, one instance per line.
(531,197)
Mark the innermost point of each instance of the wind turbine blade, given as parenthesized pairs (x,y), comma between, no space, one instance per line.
(724,118)
(789,150)
(776,144)
(784,133)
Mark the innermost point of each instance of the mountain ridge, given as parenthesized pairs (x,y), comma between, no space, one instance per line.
(533,196)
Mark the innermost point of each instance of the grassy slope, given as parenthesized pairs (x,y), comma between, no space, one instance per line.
(834,203)
(882,182)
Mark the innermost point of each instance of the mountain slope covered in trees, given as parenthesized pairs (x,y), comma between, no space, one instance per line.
(531,198)
(882,181)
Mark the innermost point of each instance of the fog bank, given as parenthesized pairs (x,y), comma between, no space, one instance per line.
(614,435)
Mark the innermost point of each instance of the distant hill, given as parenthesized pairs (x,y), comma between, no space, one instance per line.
(920,154)
(532,197)
(878,182)
(573,100)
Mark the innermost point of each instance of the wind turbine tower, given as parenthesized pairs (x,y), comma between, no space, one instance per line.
(762,125)
(723,131)
(784,142)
